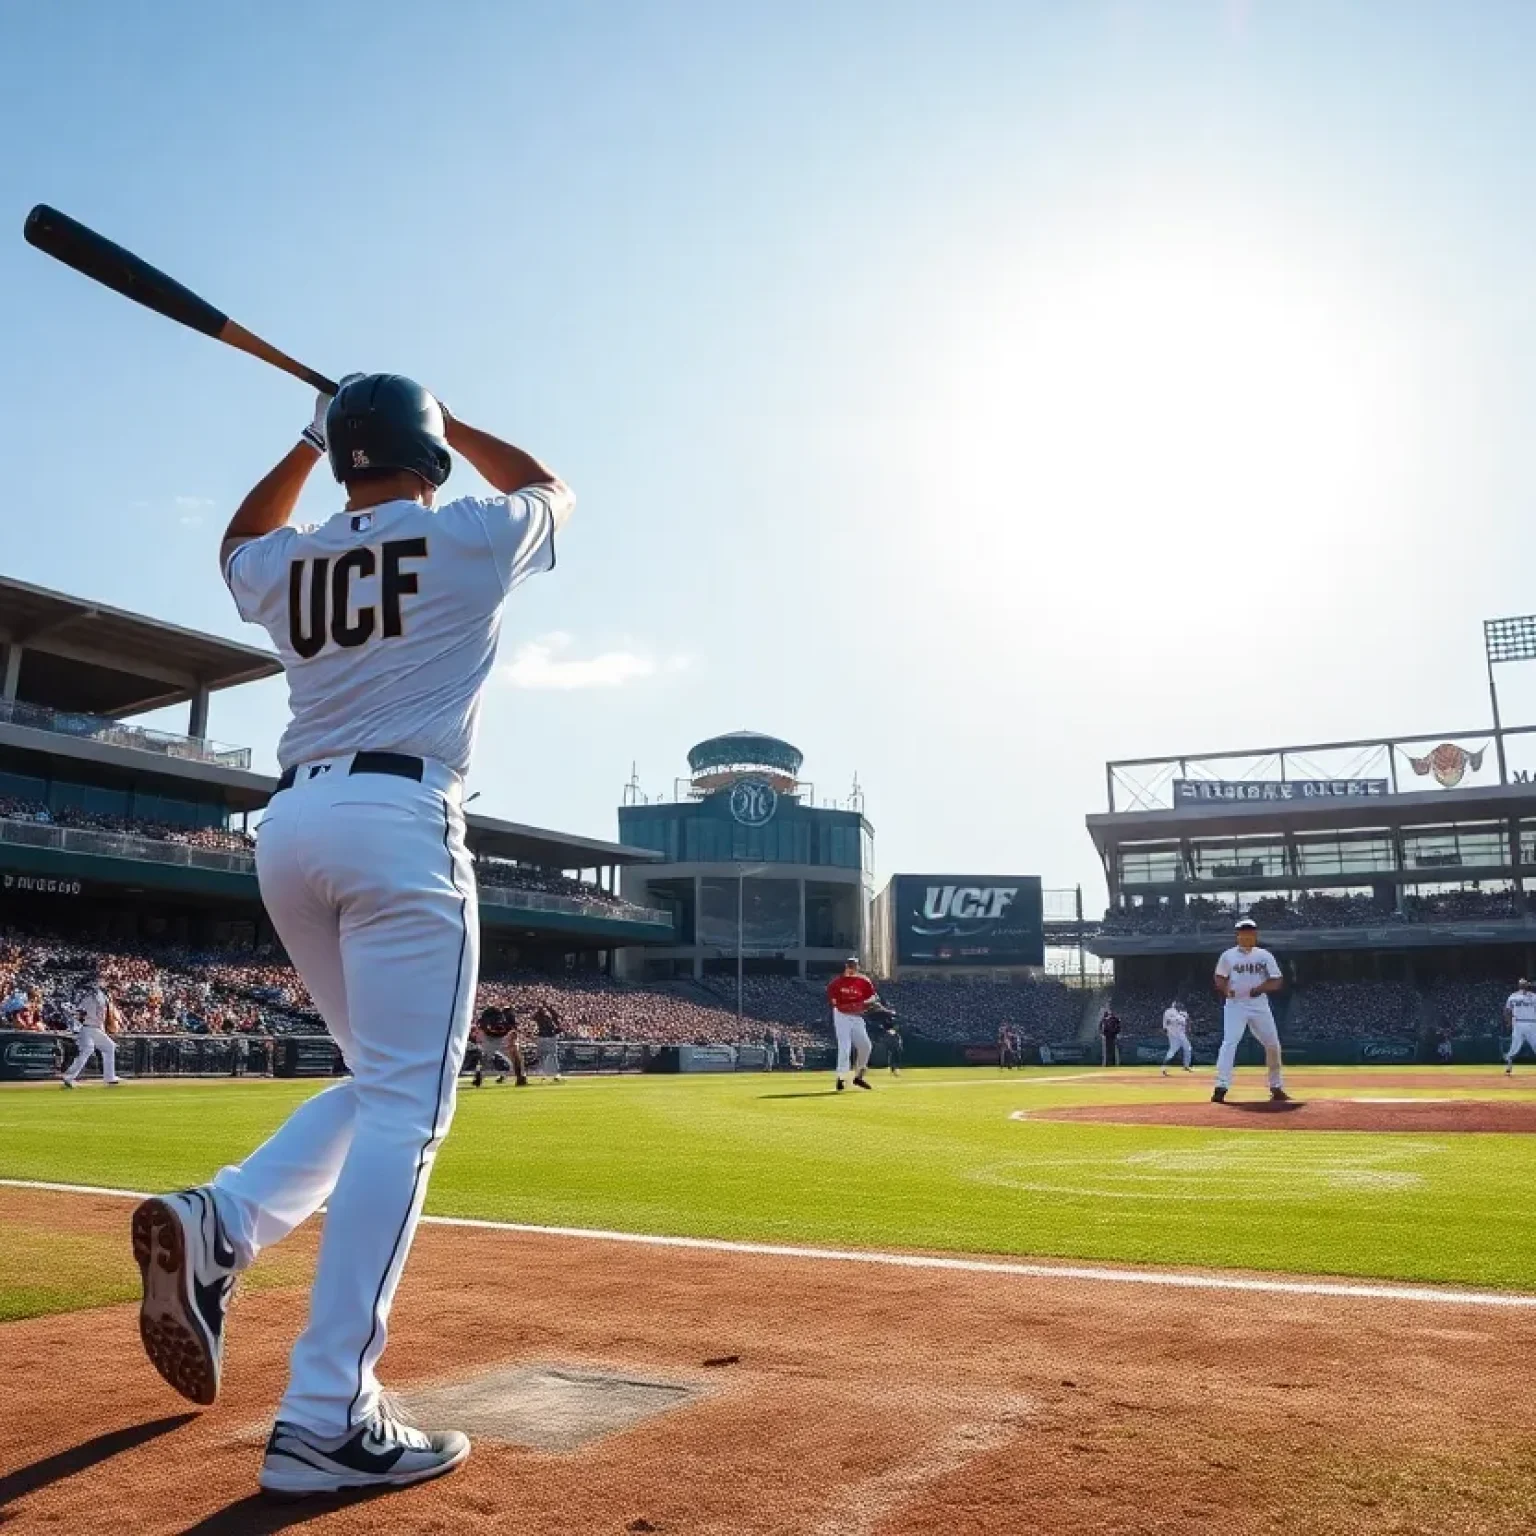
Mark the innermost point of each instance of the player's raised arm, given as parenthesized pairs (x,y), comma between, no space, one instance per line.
(508,468)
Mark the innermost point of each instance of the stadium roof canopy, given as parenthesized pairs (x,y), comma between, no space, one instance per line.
(550,850)
(1420,808)
(73,654)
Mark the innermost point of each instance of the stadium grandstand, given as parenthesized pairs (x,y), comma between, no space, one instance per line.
(134,847)
(1391,877)
(131,850)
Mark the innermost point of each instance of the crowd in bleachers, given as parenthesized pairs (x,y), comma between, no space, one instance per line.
(523,877)
(1470,1007)
(163,990)
(1342,1010)
(1043,1012)
(595,1007)
(1318,909)
(495,872)
(77,818)
(169,989)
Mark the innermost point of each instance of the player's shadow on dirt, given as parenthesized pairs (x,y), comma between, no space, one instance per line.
(85,1457)
(814,1093)
(259,1515)
(1266,1106)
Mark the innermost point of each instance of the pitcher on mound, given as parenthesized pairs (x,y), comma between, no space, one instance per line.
(1245,976)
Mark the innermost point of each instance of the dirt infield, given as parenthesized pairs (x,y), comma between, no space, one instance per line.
(858,1401)
(1514,1117)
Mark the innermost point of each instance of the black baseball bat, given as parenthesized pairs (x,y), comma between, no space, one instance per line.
(69,241)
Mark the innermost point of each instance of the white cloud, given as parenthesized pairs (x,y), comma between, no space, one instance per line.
(190,520)
(192,503)
(543,663)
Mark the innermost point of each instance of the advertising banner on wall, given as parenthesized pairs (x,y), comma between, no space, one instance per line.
(1273,791)
(992,920)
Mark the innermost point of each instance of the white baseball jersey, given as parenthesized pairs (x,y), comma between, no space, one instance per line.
(93,1008)
(1175,1021)
(387,619)
(1522,1007)
(1248,970)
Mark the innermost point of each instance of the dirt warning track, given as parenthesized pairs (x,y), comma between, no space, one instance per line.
(821,1399)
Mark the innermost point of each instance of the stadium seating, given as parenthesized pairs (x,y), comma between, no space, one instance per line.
(494,872)
(1317,910)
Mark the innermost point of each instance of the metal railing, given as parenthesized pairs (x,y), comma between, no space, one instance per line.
(114,733)
(545,901)
(123,845)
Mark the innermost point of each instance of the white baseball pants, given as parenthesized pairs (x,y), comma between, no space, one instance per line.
(88,1041)
(852,1038)
(1238,1014)
(1179,1041)
(549,1056)
(368,884)
(1521,1037)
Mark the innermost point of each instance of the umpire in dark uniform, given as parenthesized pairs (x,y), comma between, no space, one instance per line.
(1109,1034)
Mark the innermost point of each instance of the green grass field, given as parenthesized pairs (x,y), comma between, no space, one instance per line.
(931,1160)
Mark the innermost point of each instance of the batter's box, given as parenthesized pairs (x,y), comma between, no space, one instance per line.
(547,1408)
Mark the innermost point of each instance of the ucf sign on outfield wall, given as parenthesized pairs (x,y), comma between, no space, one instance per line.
(969,920)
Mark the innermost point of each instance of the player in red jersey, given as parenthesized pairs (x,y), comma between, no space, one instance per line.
(850,994)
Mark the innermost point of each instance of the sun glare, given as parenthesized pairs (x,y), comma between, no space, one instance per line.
(1169,392)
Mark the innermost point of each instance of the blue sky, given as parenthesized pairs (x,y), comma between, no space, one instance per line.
(969,393)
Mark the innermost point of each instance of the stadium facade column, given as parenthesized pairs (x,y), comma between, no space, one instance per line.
(698,908)
(803,938)
(197,719)
(13,655)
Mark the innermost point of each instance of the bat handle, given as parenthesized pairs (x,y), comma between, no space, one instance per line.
(236,335)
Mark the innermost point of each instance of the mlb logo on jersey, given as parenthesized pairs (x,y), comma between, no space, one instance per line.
(360,458)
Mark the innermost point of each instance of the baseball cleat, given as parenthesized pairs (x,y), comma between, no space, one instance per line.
(1165,1072)
(65,1083)
(841,1085)
(381,1452)
(1279,1096)
(859,1082)
(1509,1071)
(1219,1095)
(188,1270)
(477,1081)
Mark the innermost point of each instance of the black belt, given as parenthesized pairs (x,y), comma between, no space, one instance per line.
(397,764)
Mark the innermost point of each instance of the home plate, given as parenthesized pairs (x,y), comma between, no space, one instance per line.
(547,1408)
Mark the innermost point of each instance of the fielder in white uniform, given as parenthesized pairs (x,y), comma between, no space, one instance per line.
(1176,1027)
(386,617)
(95,1011)
(1520,1016)
(1245,976)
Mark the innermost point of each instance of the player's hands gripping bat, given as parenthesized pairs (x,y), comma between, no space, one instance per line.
(65,240)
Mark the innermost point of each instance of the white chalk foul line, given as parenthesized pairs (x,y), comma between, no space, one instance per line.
(1170,1279)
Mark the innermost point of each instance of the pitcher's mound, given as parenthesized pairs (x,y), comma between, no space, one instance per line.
(1439,1115)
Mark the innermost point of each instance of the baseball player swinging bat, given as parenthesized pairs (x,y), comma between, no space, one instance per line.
(59,236)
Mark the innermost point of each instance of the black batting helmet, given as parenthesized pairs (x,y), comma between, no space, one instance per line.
(387,421)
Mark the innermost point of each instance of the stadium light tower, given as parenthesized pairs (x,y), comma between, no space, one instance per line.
(1506,640)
